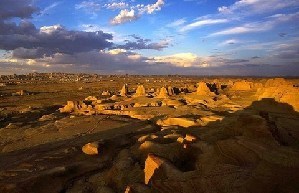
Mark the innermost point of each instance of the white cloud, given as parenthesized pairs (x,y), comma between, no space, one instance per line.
(115,5)
(117,51)
(151,8)
(259,26)
(136,11)
(224,9)
(176,23)
(50,29)
(89,7)
(47,9)
(124,16)
(250,7)
(229,42)
(247,28)
(201,23)
(135,57)
(181,60)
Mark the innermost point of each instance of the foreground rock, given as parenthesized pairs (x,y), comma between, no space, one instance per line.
(91,148)
(159,168)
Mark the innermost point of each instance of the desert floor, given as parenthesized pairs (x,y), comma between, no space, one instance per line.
(221,135)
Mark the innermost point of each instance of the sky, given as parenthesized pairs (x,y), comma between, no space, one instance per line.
(188,37)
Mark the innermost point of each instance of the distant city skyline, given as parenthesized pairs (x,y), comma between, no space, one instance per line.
(188,37)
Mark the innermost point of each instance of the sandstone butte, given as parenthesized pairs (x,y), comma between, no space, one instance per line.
(202,89)
(124,91)
(140,91)
(242,85)
(163,93)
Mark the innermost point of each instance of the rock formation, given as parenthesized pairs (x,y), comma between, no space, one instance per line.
(106,93)
(157,167)
(170,91)
(242,86)
(91,98)
(183,122)
(277,82)
(124,91)
(69,107)
(163,93)
(152,163)
(202,89)
(91,148)
(140,91)
(280,90)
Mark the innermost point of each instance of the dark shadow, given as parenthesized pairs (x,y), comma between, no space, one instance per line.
(30,117)
(268,109)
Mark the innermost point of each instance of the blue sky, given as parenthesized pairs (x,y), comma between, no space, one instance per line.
(198,37)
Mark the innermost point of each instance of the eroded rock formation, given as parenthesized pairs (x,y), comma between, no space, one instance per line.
(140,91)
(124,91)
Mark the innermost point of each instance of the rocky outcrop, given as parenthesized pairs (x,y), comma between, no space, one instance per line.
(242,86)
(171,151)
(163,93)
(159,168)
(124,91)
(276,82)
(124,171)
(203,89)
(280,90)
(140,91)
(91,98)
(91,148)
(170,91)
(183,122)
(69,107)
(106,93)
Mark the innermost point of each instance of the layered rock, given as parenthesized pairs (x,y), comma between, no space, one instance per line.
(170,91)
(171,151)
(76,107)
(163,93)
(203,89)
(276,82)
(242,86)
(140,91)
(172,121)
(280,90)
(159,168)
(124,91)
(69,107)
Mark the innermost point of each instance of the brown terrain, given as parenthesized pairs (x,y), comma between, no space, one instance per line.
(150,134)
